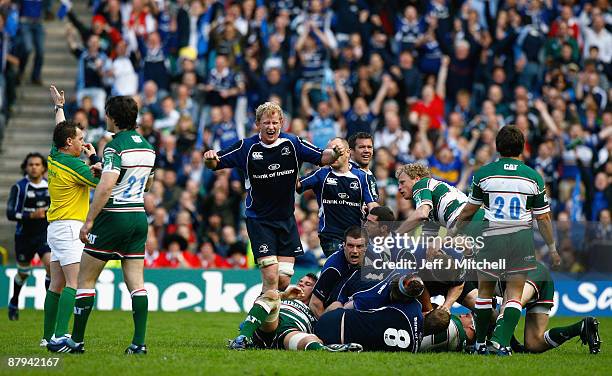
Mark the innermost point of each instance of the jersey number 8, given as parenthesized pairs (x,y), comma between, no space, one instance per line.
(399,338)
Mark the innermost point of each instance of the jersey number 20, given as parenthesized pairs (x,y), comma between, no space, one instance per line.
(515,207)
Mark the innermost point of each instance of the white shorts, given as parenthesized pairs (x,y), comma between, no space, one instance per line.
(63,239)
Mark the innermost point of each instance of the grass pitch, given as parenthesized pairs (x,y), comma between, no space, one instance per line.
(188,343)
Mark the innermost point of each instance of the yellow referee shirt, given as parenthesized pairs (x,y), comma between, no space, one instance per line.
(69,182)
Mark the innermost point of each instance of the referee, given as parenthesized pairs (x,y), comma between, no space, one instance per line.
(270,162)
(27,204)
(70,181)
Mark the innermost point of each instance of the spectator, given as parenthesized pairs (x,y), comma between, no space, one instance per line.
(209,259)
(32,37)
(93,65)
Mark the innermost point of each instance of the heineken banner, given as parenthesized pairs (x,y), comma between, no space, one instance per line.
(236,290)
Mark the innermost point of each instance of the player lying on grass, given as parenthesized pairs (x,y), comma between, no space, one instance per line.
(284,321)
(399,325)
(538,300)
(459,334)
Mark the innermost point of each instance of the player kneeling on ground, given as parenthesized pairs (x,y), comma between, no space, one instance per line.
(284,321)
(538,300)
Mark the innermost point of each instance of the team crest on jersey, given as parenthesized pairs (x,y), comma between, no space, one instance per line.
(137,139)
(354,185)
(257,155)
(331,181)
(286,151)
(343,195)
(263,248)
(273,167)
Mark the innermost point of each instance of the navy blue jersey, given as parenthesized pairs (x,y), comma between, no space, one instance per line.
(25,198)
(371,179)
(271,172)
(335,270)
(396,327)
(341,197)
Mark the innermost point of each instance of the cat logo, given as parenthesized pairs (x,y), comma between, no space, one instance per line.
(343,195)
(273,167)
(510,167)
(331,181)
(257,155)
(354,185)
(136,139)
(263,248)
(286,151)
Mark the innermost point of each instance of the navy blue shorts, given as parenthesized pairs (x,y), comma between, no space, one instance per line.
(26,246)
(274,238)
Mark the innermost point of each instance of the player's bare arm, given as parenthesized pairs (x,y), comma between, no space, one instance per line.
(452,296)
(414,219)
(466,215)
(316,306)
(101,196)
(329,156)
(58,101)
(546,229)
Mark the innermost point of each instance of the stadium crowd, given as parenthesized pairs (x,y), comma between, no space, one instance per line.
(432,81)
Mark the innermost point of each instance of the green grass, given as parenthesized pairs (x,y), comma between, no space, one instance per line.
(194,343)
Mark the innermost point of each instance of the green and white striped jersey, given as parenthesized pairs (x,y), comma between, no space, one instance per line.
(446,201)
(133,158)
(453,339)
(511,193)
(295,314)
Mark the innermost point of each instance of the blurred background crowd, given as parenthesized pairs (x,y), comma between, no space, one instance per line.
(432,81)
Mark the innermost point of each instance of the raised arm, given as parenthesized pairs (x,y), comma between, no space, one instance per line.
(442,75)
(376,105)
(58,101)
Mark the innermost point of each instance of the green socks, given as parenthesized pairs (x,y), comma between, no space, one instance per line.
(257,315)
(64,311)
(51,304)
(314,346)
(140,310)
(82,308)
(556,336)
(506,325)
(483,310)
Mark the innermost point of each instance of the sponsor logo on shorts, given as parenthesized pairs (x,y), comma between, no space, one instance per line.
(343,195)
(354,185)
(529,258)
(298,249)
(263,248)
(331,181)
(286,151)
(258,155)
(273,167)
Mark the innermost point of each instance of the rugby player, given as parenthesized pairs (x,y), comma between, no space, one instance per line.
(537,298)
(337,268)
(27,205)
(270,162)
(512,194)
(70,181)
(284,321)
(457,337)
(342,191)
(116,226)
(361,145)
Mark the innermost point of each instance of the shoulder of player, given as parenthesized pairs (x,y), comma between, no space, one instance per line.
(423,183)
(530,173)
(63,160)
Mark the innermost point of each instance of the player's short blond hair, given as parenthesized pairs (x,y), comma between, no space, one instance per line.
(268,108)
(413,171)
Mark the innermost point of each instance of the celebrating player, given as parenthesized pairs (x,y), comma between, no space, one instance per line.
(361,145)
(342,190)
(284,321)
(537,298)
(513,194)
(28,204)
(270,162)
(70,180)
(116,226)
